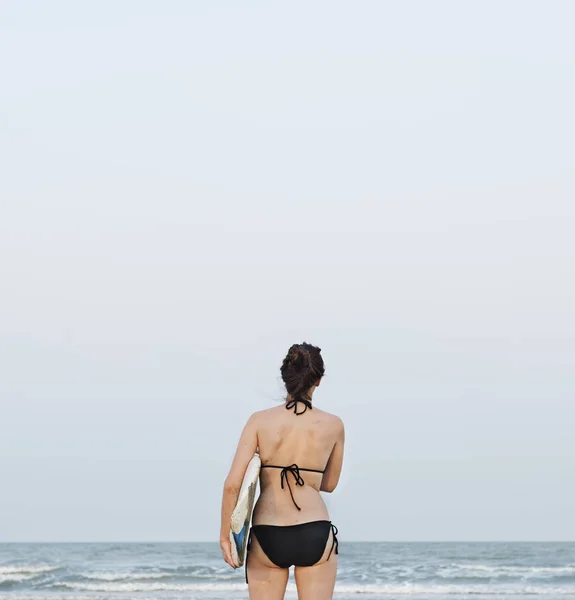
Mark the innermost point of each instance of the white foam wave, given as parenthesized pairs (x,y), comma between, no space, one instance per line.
(367,589)
(86,597)
(152,587)
(120,576)
(569,569)
(448,590)
(15,577)
(25,569)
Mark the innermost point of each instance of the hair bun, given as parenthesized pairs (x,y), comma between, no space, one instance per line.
(299,357)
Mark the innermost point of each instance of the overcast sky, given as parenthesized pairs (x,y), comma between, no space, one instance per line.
(188,188)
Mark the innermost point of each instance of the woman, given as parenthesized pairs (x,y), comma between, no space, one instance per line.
(301,449)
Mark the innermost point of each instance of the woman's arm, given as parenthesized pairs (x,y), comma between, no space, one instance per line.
(247,447)
(333,469)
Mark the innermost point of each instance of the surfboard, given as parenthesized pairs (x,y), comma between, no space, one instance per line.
(242,513)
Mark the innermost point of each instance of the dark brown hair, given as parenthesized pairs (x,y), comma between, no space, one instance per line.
(301,368)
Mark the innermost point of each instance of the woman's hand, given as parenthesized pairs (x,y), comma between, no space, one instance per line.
(226,547)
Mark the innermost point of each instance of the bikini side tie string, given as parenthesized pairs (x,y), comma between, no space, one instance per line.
(335,540)
(248,547)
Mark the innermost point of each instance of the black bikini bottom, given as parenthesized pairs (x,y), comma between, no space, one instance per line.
(301,545)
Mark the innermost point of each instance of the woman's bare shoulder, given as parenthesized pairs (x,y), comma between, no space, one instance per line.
(264,413)
(332,418)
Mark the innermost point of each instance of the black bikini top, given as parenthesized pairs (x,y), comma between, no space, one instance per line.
(293,469)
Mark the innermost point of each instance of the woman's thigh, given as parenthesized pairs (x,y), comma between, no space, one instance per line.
(266,581)
(317,582)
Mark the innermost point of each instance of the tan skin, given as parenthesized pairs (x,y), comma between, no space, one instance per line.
(313,440)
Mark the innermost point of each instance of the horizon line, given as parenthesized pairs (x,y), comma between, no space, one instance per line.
(347,541)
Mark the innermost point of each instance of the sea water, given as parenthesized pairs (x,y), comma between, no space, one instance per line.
(173,571)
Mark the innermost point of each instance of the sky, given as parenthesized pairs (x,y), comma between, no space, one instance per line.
(188,188)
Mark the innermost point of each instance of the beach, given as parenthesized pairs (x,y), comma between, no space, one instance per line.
(371,570)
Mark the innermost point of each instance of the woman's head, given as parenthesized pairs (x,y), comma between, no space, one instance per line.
(302,369)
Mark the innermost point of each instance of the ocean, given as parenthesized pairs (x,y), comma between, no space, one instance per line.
(173,571)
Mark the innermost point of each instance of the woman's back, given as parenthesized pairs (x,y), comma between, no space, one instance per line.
(300,442)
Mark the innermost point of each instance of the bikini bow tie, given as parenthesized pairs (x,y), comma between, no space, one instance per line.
(293,404)
(294,470)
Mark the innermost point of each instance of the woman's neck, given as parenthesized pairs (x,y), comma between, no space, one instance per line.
(307,398)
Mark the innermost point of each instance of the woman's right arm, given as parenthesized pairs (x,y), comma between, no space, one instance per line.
(247,446)
(334,464)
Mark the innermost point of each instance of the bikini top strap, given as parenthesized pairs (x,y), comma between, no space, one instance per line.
(292,467)
(293,404)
